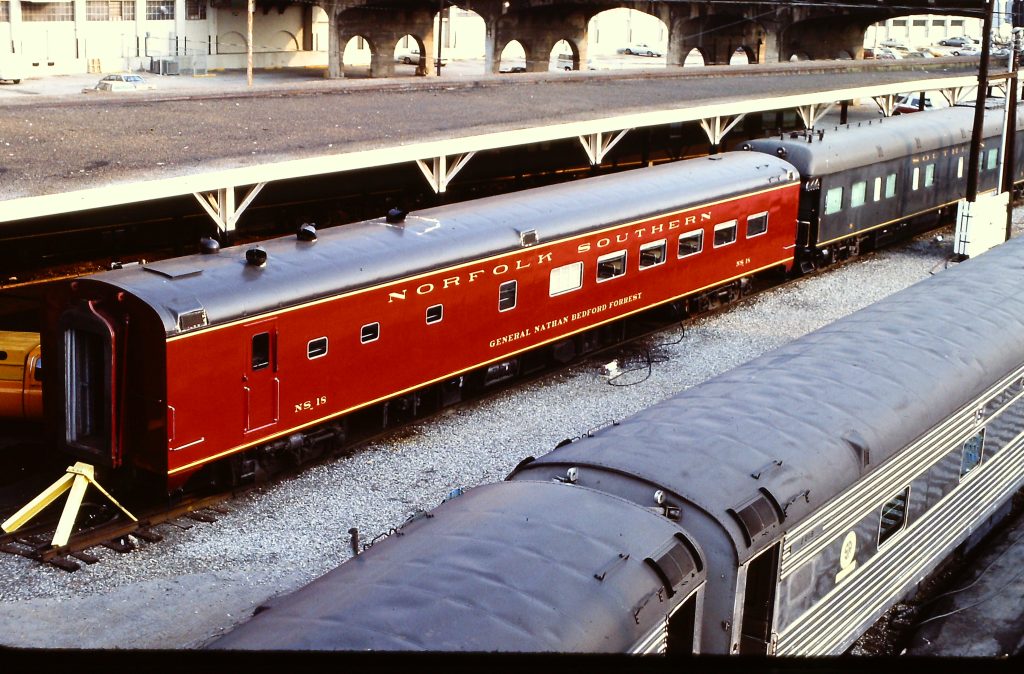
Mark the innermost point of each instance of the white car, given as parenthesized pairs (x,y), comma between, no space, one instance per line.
(412,57)
(121,82)
(641,49)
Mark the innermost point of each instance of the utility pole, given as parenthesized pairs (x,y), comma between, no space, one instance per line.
(249,47)
(440,32)
(979,107)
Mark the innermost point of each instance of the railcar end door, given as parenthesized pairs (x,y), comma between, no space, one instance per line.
(261,385)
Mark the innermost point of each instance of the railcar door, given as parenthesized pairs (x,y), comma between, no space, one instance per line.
(261,385)
(762,577)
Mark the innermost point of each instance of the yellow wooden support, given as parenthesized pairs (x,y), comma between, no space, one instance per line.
(77,479)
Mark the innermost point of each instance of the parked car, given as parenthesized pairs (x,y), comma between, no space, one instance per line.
(966,50)
(412,57)
(958,41)
(908,103)
(641,49)
(886,53)
(120,82)
(919,55)
(894,44)
(10,71)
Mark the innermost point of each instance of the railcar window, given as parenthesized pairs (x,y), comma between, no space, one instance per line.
(691,243)
(435,313)
(316,348)
(260,350)
(757,224)
(960,167)
(929,175)
(878,189)
(834,200)
(974,450)
(894,516)
(507,295)
(916,182)
(725,233)
(653,254)
(369,333)
(890,186)
(565,279)
(611,265)
(858,193)
(991,158)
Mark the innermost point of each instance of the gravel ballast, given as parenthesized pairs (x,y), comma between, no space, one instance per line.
(199,582)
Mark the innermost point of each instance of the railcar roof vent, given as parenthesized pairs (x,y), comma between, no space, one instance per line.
(307,232)
(396,215)
(256,257)
(675,562)
(209,246)
(528,238)
(757,517)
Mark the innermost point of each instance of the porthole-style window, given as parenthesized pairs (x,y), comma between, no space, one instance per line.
(973,452)
(369,333)
(435,314)
(894,516)
(691,243)
(611,266)
(653,254)
(725,233)
(507,295)
(757,224)
(316,348)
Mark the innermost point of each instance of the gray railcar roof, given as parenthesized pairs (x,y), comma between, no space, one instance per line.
(863,144)
(509,565)
(367,253)
(875,381)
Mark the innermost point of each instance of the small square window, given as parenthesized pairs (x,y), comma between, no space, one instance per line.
(369,333)
(893,517)
(725,233)
(611,265)
(316,348)
(435,313)
(833,200)
(565,279)
(757,224)
(653,254)
(691,243)
(973,452)
(507,295)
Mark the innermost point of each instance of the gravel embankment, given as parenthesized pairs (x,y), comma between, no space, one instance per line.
(199,582)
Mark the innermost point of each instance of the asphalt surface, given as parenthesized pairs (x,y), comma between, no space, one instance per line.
(53,141)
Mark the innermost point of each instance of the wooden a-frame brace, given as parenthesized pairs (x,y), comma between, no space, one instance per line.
(77,478)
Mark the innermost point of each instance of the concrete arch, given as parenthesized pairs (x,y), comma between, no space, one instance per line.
(695,58)
(512,57)
(718,36)
(284,40)
(825,37)
(405,48)
(356,51)
(231,42)
(562,48)
(743,55)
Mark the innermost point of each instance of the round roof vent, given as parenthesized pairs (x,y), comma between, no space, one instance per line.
(257,257)
(209,246)
(307,232)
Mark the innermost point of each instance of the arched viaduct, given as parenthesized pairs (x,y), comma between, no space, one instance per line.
(768,32)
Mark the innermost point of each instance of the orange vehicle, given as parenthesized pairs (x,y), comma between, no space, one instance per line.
(21,384)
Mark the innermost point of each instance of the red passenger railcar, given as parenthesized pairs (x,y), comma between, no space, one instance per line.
(171,366)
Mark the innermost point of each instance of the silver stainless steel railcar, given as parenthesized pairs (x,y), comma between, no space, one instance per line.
(779,508)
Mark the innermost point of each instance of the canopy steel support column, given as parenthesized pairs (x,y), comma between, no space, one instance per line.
(220,205)
(597,145)
(811,114)
(439,173)
(954,95)
(716,130)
